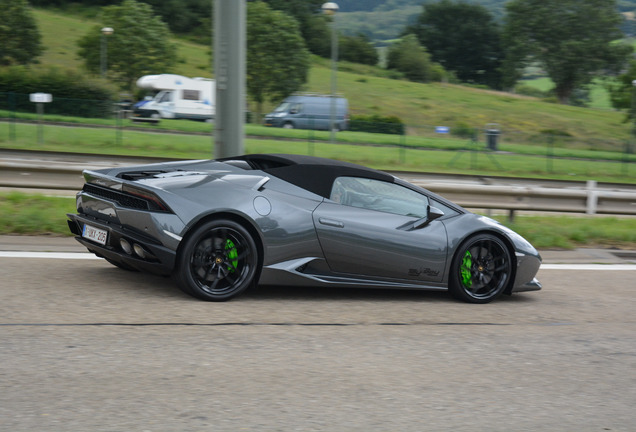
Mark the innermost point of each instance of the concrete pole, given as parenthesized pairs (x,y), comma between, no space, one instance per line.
(229,72)
(330,9)
(334,79)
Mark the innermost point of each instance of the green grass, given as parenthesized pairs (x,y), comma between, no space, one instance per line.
(60,33)
(35,214)
(438,156)
(563,232)
(369,91)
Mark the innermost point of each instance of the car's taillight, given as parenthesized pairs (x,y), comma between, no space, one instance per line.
(155,203)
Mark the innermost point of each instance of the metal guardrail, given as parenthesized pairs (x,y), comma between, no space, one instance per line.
(583,198)
(588,199)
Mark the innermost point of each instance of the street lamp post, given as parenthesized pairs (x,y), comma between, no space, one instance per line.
(330,8)
(106,31)
(633,108)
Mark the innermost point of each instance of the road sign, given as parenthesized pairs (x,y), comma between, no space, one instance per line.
(40,97)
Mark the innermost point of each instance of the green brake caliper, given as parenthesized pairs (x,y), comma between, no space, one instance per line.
(232,254)
(465,270)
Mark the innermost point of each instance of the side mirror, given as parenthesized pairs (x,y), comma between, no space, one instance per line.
(433,213)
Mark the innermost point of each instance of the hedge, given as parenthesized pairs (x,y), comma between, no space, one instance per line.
(73,93)
(376,124)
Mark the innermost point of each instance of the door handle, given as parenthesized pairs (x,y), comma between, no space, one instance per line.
(331,222)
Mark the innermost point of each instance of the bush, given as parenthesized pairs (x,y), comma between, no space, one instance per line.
(462,130)
(376,124)
(412,59)
(73,93)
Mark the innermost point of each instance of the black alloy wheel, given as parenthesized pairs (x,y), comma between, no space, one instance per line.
(481,269)
(218,261)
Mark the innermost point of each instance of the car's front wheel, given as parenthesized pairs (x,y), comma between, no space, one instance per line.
(481,269)
(218,261)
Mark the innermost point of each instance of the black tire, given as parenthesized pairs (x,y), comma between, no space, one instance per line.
(481,269)
(288,125)
(218,261)
(121,265)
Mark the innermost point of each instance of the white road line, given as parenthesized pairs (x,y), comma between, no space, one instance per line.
(90,256)
(595,267)
(53,255)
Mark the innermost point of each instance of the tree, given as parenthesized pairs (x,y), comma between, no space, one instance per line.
(623,93)
(19,35)
(463,38)
(357,49)
(313,24)
(189,18)
(317,35)
(410,58)
(277,60)
(572,39)
(140,44)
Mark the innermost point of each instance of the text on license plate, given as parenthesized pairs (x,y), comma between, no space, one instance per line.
(95,234)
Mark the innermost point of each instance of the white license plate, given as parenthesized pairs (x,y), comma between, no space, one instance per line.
(95,234)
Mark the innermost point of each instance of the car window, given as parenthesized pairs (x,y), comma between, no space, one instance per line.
(282,107)
(167,97)
(379,196)
(296,108)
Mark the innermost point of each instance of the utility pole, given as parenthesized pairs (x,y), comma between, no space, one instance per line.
(229,73)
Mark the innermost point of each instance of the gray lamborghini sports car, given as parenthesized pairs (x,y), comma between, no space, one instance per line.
(221,226)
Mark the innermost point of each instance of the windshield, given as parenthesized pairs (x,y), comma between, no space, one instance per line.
(284,107)
(163,96)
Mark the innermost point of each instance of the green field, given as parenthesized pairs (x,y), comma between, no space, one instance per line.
(420,106)
(387,152)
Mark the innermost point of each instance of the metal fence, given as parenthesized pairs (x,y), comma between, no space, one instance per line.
(472,147)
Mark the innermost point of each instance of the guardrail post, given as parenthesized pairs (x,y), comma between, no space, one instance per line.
(11,106)
(550,152)
(628,150)
(592,197)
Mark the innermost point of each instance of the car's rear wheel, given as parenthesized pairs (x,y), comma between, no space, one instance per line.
(481,269)
(218,261)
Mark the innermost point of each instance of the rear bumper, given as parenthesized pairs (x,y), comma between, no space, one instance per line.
(156,258)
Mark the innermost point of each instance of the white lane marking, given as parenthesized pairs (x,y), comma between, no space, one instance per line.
(53,255)
(595,267)
(90,256)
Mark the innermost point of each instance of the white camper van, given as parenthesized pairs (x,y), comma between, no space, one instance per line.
(309,111)
(177,97)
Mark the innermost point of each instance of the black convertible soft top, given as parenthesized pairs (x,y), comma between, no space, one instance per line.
(312,173)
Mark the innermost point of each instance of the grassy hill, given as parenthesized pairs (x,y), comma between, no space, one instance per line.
(421,106)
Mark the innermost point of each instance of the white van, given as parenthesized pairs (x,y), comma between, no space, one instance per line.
(309,112)
(176,97)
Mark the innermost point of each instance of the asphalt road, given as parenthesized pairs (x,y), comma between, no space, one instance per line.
(88,347)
